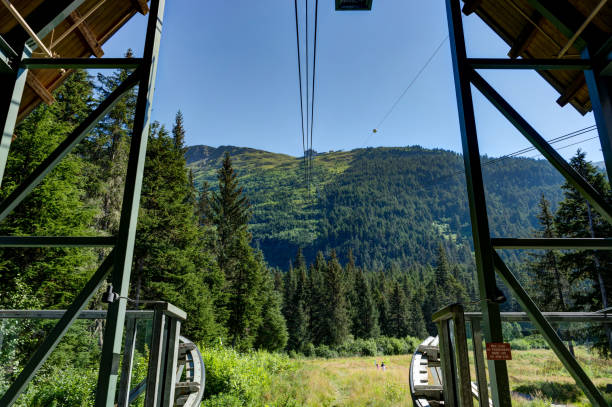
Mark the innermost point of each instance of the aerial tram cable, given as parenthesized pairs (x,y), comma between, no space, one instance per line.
(297,37)
(410,84)
(314,73)
(307,101)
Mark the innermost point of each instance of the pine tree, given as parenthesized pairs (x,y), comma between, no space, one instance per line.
(171,262)
(178,132)
(399,312)
(336,321)
(365,316)
(296,308)
(575,218)
(272,334)
(230,212)
(548,280)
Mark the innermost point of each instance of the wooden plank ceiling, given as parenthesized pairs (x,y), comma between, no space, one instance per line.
(90,26)
(530,35)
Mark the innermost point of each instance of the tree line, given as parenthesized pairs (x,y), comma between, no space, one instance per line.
(326,303)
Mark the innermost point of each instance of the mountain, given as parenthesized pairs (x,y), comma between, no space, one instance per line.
(390,206)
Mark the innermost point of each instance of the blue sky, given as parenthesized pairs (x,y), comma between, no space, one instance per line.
(231,67)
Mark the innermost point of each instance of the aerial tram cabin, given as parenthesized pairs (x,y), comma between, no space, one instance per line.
(569,44)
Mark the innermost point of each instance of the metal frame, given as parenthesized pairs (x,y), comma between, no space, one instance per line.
(163,360)
(119,262)
(488,261)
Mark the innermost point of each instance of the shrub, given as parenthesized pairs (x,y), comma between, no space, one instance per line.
(237,379)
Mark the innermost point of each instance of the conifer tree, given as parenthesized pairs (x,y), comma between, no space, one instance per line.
(576,218)
(365,315)
(548,280)
(337,321)
(399,312)
(272,333)
(171,262)
(296,304)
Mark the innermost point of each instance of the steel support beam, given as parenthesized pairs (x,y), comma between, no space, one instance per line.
(13,84)
(498,371)
(81,63)
(107,378)
(531,63)
(57,333)
(553,243)
(57,241)
(570,174)
(549,333)
(600,93)
(65,147)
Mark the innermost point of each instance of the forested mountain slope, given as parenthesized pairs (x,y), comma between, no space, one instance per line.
(391,206)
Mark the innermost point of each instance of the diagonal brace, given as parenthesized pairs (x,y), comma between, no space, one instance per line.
(570,174)
(548,332)
(57,333)
(66,146)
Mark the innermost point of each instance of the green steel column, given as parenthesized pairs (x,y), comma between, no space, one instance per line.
(478,211)
(10,99)
(109,363)
(600,92)
(549,333)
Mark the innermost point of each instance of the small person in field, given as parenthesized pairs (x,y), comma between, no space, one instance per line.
(382,365)
(377,365)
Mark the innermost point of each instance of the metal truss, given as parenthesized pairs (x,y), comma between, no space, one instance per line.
(15,52)
(596,65)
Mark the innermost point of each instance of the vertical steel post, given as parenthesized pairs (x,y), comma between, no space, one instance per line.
(156,358)
(481,374)
(10,99)
(107,379)
(123,399)
(172,346)
(600,92)
(476,196)
(446,363)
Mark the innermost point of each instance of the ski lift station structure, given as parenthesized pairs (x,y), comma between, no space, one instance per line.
(568,42)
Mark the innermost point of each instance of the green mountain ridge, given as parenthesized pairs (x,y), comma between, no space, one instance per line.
(390,206)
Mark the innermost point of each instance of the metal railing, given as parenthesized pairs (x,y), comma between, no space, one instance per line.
(454,357)
(163,366)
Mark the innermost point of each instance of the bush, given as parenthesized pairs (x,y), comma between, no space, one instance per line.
(380,346)
(68,387)
(237,379)
(529,342)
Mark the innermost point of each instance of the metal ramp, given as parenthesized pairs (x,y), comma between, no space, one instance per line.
(426,384)
(425,364)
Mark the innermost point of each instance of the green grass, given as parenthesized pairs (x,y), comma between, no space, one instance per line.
(260,379)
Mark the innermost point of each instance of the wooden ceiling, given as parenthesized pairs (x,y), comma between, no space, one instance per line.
(85,39)
(529,34)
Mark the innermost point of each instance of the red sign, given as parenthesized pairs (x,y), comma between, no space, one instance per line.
(498,351)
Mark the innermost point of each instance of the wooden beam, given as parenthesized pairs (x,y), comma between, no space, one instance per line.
(572,89)
(526,36)
(470,6)
(36,85)
(86,33)
(141,6)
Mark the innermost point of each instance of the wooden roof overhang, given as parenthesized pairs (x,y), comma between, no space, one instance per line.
(540,29)
(80,35)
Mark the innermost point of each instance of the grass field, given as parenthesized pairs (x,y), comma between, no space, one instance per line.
(356,382)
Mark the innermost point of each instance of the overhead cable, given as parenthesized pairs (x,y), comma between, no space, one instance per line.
(297,36)
(412,82)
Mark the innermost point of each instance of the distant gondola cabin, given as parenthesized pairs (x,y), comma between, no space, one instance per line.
(342,5)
